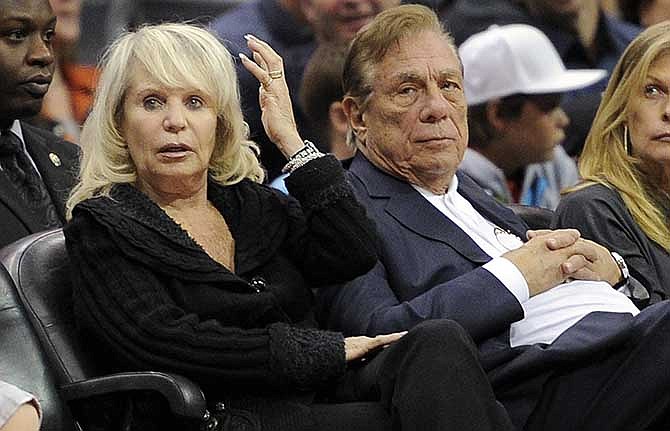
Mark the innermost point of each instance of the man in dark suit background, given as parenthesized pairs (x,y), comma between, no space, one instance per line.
(37,168)
(563,350)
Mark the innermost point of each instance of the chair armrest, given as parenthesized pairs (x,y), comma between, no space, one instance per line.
(183,396)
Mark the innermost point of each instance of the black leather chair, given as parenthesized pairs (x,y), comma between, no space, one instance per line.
(23,361)
(535,217)
(42,350)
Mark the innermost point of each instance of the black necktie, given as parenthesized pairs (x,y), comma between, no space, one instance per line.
(30,190)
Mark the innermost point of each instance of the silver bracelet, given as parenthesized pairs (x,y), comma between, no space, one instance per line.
(306,154)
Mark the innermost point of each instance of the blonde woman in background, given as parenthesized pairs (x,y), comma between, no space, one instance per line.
(624,201)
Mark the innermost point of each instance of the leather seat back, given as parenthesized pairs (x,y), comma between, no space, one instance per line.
(23,362)
(40,269)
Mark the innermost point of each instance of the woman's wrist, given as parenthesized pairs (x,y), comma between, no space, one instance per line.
(307,153)
(290,145)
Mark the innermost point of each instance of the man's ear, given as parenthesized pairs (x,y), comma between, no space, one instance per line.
(493,116)
(356,118)
(338,119)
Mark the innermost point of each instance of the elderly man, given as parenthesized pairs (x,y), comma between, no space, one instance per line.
(560,354)
(37,169)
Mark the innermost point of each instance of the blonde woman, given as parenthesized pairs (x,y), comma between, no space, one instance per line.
(183,262)
(624,201)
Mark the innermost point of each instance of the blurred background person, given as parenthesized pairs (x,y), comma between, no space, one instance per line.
(292,27)
(624,200)
(321,101)
(514,79)
(582,33)
(70,95)
(645,13)
(283,25)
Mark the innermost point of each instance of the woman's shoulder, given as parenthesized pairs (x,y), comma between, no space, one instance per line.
(590,194)
(588,203)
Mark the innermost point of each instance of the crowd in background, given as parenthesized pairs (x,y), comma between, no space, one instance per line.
(540,113)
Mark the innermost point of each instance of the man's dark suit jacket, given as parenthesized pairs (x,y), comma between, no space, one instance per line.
(429,268)
(16,221)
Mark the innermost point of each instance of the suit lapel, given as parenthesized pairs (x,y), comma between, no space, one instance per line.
(56,169)
(9,199)
(413,211)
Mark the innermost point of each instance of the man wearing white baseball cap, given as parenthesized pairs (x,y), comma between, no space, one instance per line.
(514,79)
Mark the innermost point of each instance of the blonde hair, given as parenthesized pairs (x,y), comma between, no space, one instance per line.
(178,56)
(605,159)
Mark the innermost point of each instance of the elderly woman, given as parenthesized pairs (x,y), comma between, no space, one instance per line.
(624,201)
(183,262)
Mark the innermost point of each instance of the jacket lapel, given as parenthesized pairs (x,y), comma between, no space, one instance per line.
(413,211)
(491,209)
(57,169)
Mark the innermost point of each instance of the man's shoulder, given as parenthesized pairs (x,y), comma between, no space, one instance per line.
(467,17)
(240,20)
(621,31)
(34,136)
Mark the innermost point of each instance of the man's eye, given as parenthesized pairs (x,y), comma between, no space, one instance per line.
(17,35)
(450,86)
(407,91)
(49,35)
(151,103)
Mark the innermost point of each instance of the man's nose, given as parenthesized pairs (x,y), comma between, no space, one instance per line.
(436,106)
(562,119)
(40,51)
(175,118)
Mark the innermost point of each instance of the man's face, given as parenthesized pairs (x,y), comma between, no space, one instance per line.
(26,56)
(415,125)
(339,20)
(533,135)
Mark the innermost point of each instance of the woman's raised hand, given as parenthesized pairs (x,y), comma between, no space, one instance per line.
(357,347)
(277,113)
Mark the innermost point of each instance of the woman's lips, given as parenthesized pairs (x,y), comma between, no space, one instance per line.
(174,151)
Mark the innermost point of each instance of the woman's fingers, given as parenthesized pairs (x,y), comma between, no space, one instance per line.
(357,347)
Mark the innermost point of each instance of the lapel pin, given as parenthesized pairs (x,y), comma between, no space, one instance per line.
(55,159)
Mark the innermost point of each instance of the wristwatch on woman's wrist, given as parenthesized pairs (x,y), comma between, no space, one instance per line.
(625,274)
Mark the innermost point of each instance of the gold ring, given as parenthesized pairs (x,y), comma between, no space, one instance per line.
(275,74)
(267,83)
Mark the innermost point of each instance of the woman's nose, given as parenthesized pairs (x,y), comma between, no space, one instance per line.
(174,120)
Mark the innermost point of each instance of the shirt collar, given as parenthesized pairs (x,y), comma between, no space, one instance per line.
(452,190)
(16,129)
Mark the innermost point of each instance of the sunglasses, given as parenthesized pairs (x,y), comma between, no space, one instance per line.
(544,102)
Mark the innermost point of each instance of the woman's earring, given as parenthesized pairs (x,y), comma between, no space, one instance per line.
(626,144)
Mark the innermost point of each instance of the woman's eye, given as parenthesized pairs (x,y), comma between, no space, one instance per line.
(151,103)
(651,90)
(195,102)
